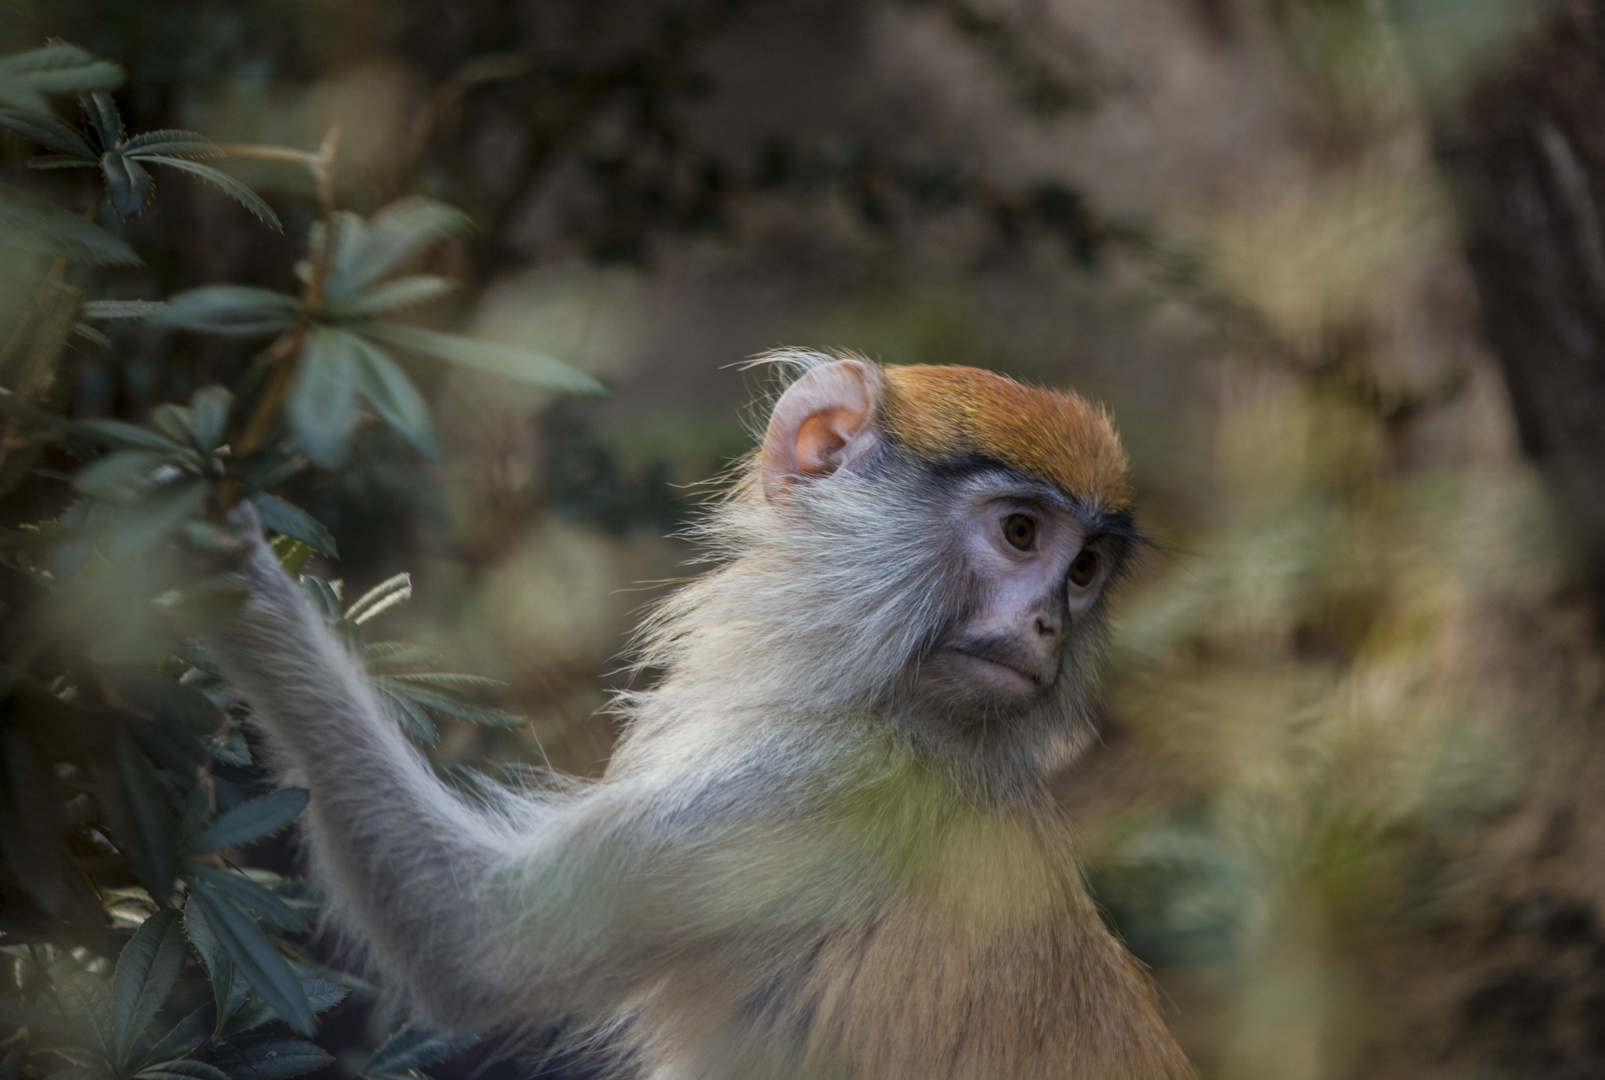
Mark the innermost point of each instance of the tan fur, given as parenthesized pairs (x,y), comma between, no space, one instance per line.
(945,412)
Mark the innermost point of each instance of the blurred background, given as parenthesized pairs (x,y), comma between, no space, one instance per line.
(1337,267)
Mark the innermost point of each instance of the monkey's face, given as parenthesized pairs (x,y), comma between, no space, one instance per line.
(1032,572)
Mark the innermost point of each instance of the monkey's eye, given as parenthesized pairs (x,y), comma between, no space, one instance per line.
(1020,531)
(1084,569)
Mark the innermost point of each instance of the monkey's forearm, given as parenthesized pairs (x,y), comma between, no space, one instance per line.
(422,877)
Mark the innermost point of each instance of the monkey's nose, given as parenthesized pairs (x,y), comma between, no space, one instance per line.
(1047,628)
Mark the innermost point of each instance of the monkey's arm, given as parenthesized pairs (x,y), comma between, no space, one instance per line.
(482,916)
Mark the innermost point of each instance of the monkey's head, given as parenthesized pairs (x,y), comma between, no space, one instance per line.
(929,545)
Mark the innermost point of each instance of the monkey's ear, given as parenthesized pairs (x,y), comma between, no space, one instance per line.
(823,422)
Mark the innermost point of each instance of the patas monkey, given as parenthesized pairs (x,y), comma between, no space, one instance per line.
(824,847)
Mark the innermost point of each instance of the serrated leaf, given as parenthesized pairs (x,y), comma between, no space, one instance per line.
(147,970)
(157,694)
(31,826)
(183,1037)
(537,369)
(412,717)
(173,421)
(46,162)
(230,747)
(292,554)
(120,475)
(413,1047)
(253,820)
(325,596)
(85,1000)
(388,389)
(122,433)
(443,700)
(229,989)
(242,890)
(388,239)
(323,995)
(172,141)
(381,598)
(48,131)
(156,515)
(138,817)
(294,522)
(396,295)
(27,78)
(29,223)
(181,1069)
(232,310)
(209,409)
(273,1057)
(382,655)
(224,182)
(120,309)
(323,401)
(128,186)
(254,955)
(104,118)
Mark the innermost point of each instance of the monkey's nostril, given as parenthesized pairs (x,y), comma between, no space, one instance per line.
(1046,629)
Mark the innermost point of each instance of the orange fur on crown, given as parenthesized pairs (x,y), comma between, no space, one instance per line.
(948,412)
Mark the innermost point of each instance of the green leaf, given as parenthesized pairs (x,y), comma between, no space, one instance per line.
(325,595)
(294,522)
(253,820)
(536,369)
(128,186)
(173,421)
(120,475)
(104,118)
(390,237)
(184,1037)
(323,995)
(147,970)
(381,598)
(209,409)
(222,180)
(120,309)
(242,890)
(156,694)
(230,747)
(323,400)
(396,295)
(85,1000)
(383,655)
(232,310)
(412,717)
(122,433)
(43,162)
(31,827)
(444,700)
(413,1047)
(48,131)
(253,954)
(26,79)
(292,554)
(171,141)
(392,394)
(29,223)
(155,516)
(273,1057)
(138,816)
(181,1069)
(229,989)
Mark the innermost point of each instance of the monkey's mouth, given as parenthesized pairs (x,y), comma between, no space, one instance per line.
(994,669)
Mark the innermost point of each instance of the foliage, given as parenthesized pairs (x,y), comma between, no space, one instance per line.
(135,944)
